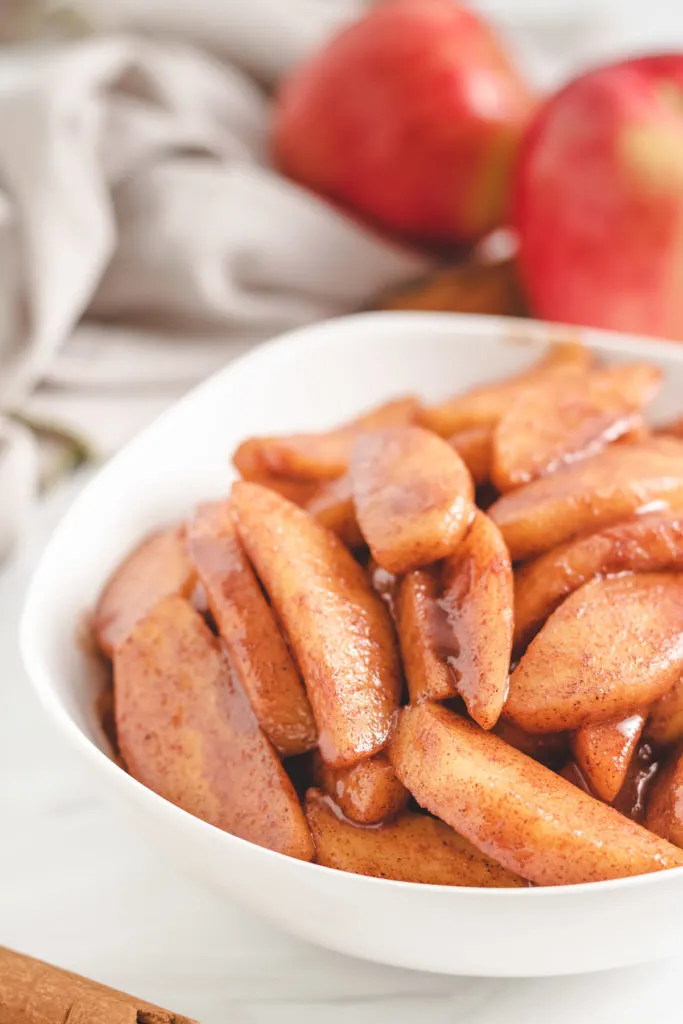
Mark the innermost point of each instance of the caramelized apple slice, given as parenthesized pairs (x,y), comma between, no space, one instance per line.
(366,792)
(426,637)
(318,456)
(557,422)
(412,848)
(513,809)
(158,567)
(603,753)
(412,495)
(483,406)
(477,598)
(186,731)
(590,495)
(650,542)
(257,649)
(339,629)
(664,814)
(616,644)
(474,446)
(332,505)
(665,724)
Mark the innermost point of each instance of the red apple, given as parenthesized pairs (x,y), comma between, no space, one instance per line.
(411,117)
(598,200)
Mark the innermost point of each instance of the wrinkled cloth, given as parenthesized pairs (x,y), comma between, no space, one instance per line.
(137,194)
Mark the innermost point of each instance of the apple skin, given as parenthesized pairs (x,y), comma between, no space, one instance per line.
(410,118)
(598,200)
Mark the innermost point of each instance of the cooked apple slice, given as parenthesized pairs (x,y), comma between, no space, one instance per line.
(332,505)
(257,649)
(158,567)
(339,629)
(477,599)
(614,646)
(513,809)
(483,406)
(427,640)
(474,446)
(186,731)
(603,752)
(455,625)
(589,495)
(665,723)
(412,848)
(366,792)
(322,456)
(413,496)
(664,814)
(556,422)
(650,542)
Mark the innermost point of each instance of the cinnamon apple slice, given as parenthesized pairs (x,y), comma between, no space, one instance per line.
(413,496)
(614,646)
(557,422)
(589,495)
(186,730)
(412,848)
(338,627)
(159,566)
(245,621)
(515,810)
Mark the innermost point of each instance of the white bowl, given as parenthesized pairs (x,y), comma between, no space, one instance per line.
(311,379)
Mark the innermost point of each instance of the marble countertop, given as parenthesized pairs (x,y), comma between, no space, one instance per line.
(79,889)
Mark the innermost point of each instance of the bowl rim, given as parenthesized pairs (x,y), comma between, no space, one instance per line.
(514,331)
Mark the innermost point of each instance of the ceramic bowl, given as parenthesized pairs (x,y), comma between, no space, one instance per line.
(308,380)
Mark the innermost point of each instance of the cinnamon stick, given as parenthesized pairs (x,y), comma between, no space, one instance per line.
(32,992)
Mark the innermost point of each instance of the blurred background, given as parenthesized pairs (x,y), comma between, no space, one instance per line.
(179,181)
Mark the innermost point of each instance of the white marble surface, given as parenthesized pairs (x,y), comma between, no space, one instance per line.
(78,889)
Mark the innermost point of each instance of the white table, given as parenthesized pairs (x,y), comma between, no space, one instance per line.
(78,889)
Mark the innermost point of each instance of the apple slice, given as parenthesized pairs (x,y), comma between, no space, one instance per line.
(367,792)
(427,640)
(604,752)
(339,629)
(412,848)
(474,445)
(332,505)
(665,724)
(650,542)
(186,731)
(556,422)
(298,491)
(589,495)
(614,646)
(322,456)
(664,814)
(477,599)
(257,649)
(483,406)
(413,496)
(515,810)
(158,567)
